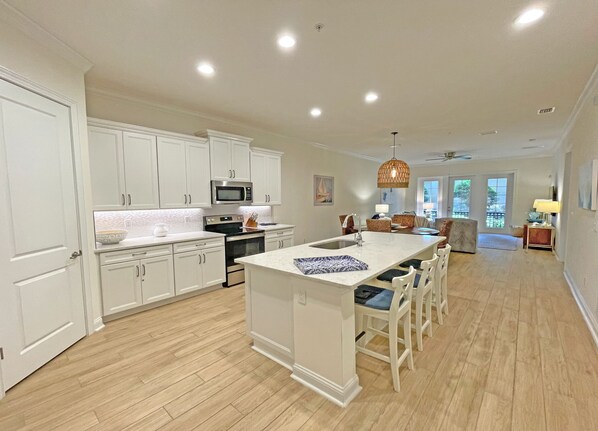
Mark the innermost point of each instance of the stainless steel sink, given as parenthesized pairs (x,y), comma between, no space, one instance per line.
(335,245)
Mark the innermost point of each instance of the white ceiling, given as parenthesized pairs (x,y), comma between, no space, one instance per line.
(445,70)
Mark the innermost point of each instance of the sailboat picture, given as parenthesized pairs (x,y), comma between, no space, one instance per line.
(323,190)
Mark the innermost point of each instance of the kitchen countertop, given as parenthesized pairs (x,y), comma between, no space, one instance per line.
(146,241)
(381,251)
(278,226)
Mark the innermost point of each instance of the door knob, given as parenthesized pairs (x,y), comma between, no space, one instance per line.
(76,254)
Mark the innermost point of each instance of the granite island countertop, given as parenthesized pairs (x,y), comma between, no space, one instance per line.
(381,251)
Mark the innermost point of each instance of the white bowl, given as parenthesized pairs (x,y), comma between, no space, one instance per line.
(111,236)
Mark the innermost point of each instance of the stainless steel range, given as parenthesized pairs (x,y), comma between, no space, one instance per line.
(239,242)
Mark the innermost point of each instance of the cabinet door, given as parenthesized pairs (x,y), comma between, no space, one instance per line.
(198,175)
(259,179)
(220,159)
(287,242)
(272,244)
(273,180)
(121,286)
(240,162)
(171,173)
(187,272)
(213,268)
(107,168)
(157,279)
(141,170)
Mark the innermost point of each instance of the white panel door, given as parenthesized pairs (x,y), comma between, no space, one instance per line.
(141,170)
(121,286)
(107,168)
(272,244)
(220,159)
(287,242)
(41,293)
(187,272)
(198,175)
(274,180)
(259,178)
(157,279)
(171,173)
(213,267)
(240,163)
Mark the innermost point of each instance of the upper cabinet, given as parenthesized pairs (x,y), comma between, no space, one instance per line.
(229,156)
(184,172)
(266,176)
(124,169)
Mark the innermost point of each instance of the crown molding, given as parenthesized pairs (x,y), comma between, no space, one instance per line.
(590,87)
(19,20)
(181,111)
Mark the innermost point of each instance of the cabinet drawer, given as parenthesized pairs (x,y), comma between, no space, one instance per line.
(182,247)
(279,233)
(134,254)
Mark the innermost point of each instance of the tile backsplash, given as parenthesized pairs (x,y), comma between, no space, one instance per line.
(141,223)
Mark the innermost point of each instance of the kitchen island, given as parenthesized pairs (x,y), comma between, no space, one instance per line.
(307,322)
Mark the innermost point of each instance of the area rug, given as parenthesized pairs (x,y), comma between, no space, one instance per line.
(498,241)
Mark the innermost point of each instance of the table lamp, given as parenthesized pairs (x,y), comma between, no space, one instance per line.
(428,207)
(547,207)
(381,209)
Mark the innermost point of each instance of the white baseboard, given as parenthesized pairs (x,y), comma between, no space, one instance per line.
(341,396)
(98,324)
(585,310)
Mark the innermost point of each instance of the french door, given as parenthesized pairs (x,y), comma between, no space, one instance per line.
(460,197)
(498,203)
(41,292)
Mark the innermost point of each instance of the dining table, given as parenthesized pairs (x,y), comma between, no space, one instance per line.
(414,230)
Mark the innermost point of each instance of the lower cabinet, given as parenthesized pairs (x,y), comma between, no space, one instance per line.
(279,239)
(199,268)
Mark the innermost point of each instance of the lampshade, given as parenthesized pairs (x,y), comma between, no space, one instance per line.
(428,205)
(393,174)
(547,206)
(382,208)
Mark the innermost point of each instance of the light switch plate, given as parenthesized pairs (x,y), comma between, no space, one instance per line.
(302,297)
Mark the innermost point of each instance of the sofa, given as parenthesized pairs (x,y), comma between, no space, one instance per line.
(464,234)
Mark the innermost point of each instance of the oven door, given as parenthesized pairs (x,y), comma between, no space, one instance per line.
(241,246)
(228,192)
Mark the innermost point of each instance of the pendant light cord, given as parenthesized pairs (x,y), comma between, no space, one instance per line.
(394,144)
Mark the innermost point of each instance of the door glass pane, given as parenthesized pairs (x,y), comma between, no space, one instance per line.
(431,198)
(496,203)
(461,198)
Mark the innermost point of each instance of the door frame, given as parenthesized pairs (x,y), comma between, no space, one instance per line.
(83,221)
(450,194)
(510,203)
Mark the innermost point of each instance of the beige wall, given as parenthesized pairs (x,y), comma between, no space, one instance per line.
(24,60)
(578,244)
(532,179)
(354,178)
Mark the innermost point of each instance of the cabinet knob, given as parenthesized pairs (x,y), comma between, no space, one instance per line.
(129,195)
(123,199)
(185,199)
(189,199)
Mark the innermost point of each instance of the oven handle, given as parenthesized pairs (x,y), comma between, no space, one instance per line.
(244,237)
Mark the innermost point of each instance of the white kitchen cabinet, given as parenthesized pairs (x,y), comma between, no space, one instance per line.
(277,239)
(266,176)
(200,268)
(229,156)
(184,173)
(124,169)
(138,276)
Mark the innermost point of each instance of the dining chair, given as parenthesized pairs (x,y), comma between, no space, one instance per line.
(407,220)
(378,225)
(392,305)
(440,296)
(350,225)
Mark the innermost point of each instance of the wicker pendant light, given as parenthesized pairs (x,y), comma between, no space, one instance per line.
(393,174)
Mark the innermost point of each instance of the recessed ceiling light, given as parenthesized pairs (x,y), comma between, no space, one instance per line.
(286,41)
(206,69)
(371,97)
(315,112)
(529,16)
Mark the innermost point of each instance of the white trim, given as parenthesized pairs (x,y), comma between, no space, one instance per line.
(97,122)
(587,92)
(347,153)
(36,32)
(264,349)
(224,135)
(339,395)
(98,324)
(587,314)
(266,151)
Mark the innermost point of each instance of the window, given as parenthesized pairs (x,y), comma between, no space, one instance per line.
(496,202)
(431,192)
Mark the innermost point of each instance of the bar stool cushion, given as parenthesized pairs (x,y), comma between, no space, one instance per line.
(392,273)
(374,297)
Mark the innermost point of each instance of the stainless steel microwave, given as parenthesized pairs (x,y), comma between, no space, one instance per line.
(232,192)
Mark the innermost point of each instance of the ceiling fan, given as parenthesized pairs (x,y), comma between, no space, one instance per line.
(451,155)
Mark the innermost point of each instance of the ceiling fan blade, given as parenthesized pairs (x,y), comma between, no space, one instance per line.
(437,158)
(464,157)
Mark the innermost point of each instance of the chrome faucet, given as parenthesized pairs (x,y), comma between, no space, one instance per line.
(358,237)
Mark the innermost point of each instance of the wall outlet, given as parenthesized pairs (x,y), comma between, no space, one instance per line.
(187,219)
(128,222)
(302,297)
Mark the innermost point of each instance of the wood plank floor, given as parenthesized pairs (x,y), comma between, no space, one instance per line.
(514,353)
